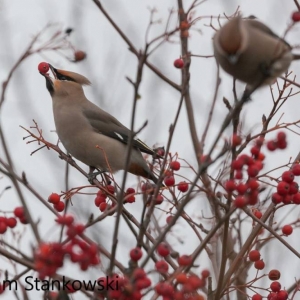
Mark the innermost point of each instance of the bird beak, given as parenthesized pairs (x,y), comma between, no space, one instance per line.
(49,81)
(54,71)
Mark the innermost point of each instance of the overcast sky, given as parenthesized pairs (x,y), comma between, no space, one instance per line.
(107,65)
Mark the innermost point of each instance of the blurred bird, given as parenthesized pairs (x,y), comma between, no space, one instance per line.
(249,51)
(81,126)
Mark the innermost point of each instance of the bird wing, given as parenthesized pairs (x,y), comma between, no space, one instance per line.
(260,26)
(106,124)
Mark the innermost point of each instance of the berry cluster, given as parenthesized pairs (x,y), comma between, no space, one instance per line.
(188,284)
(101,198)
(129,195)
(276,293)
(254,256)
(125,288)
(248,191)
(50,256)
(57,203)
(279,143)
(287,188)
(7,223)
(20,214)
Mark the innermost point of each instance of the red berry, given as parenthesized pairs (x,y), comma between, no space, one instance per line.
(163,249)
(103,206)
(237,164)
(175,165)
(205,273)
(159,199)
(79,229)
(275,286)
(253,197)
(253,170)
(296,170)
(181,278)
(79,55)
(178,63)
(139,273)
(136,253)
(23,220)
(100,199)
(11,222)
(183,186)
(130,199)
(162,266)
(272,296)
(283,188)
(287,199)
(65,220)
(130,191)
(276,198)
(246,159)
(282,295)
(282,144)
(259,264)
(169,219)
(184,260)
(259,142)
(164,289)
(19,212)
(242,188)
(274,274)
(169,181)
(281,136)
(43,67)
(261,156)
(255,151)
(230,185)
(54,198)
(256,297)
(142,283)
(252,184)
(254,255)
(236,140)
(238,174)
(60,206)
(287,229)
(287,176)
(110,189)
(296,16)
(258,214)
(294,187)
(3,227)
(296,198)
(271,145)
(240,202)
(196,282)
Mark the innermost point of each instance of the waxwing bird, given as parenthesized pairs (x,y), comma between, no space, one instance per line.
(249,51)
(89,133)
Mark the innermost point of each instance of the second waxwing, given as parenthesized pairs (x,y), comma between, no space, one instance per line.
(249,51)
(89,133)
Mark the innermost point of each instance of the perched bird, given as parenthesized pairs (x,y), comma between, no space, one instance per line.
(82,126)
(249,51)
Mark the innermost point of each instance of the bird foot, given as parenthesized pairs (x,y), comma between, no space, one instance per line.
(93,175)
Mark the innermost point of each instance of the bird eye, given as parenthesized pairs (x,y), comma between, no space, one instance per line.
(63,77)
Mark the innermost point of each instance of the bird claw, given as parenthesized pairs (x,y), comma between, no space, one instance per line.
(93,175)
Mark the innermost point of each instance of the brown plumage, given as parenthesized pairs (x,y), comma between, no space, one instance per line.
(249,51)
(88,133)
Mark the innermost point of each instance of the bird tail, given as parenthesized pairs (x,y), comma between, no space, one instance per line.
(296,56)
